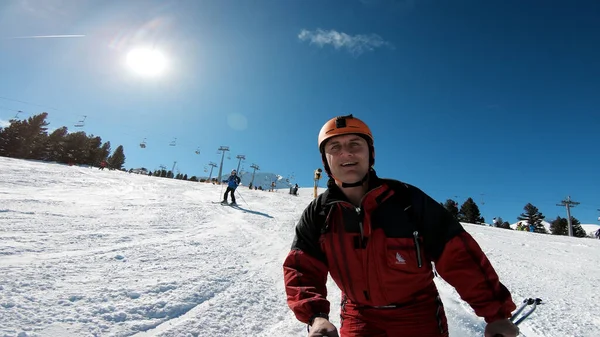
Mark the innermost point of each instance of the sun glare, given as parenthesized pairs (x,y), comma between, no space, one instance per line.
(146,62)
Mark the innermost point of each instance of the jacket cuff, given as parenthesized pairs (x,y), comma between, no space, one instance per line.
(501,314)
(320,314)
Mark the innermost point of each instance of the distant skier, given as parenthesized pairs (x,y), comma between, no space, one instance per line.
(598,234)
(232,183)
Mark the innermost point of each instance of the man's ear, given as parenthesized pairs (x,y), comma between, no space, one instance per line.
(373,149)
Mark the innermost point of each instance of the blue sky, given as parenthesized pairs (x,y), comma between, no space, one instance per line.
(496,100)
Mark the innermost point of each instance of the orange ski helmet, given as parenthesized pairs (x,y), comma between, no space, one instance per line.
(345,125)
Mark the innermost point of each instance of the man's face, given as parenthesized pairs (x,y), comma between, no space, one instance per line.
(347,157)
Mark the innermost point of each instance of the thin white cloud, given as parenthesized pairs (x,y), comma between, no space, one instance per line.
(355,44)
(46,36)
(4,123)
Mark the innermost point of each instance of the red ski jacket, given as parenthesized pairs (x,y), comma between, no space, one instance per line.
(380,253)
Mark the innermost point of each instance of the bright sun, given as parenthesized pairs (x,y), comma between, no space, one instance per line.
(146,62)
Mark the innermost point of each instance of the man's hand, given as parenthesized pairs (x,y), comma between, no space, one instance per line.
(321,327)
(501,328)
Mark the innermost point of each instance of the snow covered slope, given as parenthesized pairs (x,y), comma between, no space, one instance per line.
(85,252)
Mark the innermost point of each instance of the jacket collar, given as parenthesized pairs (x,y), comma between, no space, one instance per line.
(334,192)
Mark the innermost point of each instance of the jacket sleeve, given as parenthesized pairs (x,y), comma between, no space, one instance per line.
(460,261)
(305,268)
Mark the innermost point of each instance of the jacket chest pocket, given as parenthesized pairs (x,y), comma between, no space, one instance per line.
(404,254)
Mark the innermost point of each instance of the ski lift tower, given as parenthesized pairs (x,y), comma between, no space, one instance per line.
(173,169)
(212,166)
(240,157)
(222,149)
(255,167)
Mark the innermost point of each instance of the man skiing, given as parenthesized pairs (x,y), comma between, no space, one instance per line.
(377,239)
(232,183)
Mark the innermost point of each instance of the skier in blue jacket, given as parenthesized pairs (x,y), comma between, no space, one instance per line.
(232,183)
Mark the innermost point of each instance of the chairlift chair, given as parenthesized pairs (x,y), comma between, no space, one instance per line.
(173,142)
(81,123)
(143,144)
(197,151)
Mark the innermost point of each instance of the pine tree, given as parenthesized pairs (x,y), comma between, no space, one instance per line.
(560,226)
(104,152)
(451,206)
(185,177)
(469,212)
(94,151)
(24,138)
(117,159)
(35,137)
(55,145)
(76,148)
(12,138)
(533,217)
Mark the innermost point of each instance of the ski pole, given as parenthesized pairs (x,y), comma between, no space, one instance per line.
(222,190)
(526,302)
(240,195)
(533,304)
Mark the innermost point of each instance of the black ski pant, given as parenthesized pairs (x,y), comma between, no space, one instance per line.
(232,190)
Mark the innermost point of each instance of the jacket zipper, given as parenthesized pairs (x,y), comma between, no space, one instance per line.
(416,237)
(364,252)
(360,226)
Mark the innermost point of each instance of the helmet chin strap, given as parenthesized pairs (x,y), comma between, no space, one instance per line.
(355,184)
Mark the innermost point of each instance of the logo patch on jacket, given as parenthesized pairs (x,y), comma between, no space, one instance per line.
(400,259)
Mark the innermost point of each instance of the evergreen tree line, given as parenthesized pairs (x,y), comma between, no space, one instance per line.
(29,139)
(469,213)
(169,174)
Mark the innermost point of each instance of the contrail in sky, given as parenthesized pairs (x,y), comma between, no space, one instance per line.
(45,36)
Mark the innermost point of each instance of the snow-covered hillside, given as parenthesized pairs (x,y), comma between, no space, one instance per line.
(85,252)
(590,229)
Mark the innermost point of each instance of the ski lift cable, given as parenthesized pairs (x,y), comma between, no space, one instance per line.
(81,122)
(9,109)
(24,102)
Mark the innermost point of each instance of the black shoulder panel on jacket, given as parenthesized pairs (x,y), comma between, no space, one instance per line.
(439,226)
(308,229)
(436,225)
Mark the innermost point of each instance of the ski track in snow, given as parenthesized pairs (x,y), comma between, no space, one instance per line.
(85,252)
